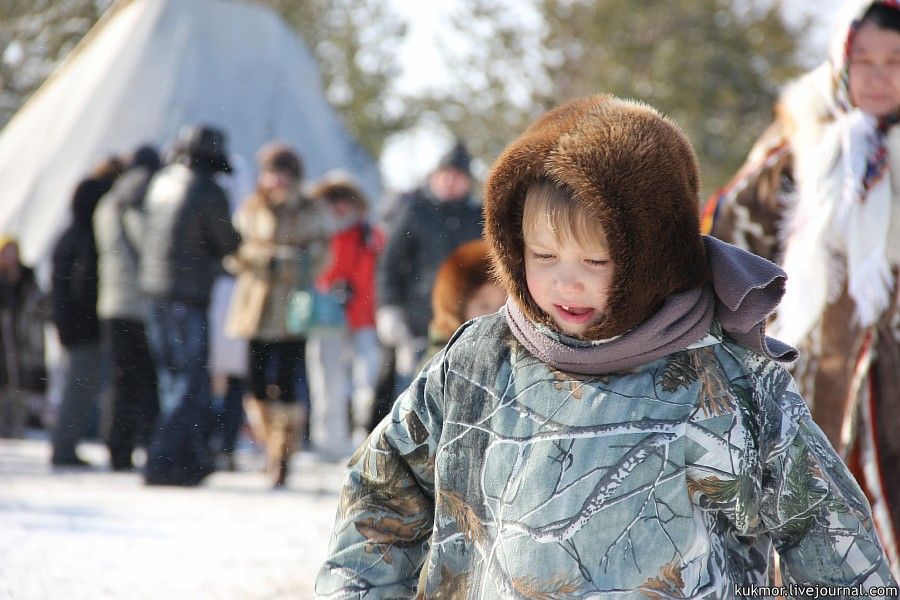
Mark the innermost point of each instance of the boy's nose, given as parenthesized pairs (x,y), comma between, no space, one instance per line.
(568,282)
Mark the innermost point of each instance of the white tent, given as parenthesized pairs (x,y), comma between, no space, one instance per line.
(146,69)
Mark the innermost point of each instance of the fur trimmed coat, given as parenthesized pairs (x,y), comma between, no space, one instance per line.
(283,248)
(849,374)
(673,480)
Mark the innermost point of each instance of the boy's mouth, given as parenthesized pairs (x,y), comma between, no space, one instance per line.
(577,315)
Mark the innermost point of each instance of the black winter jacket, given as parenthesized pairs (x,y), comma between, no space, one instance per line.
(425,233)
(74,280)
(188,232)
(23,311)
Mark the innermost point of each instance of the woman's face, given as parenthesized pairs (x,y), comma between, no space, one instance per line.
(276,184)
(875,70)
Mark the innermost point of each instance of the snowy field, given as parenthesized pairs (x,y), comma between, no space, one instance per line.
(78,534)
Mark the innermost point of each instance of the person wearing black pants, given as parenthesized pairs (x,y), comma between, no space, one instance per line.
(118,224)
(284,246)
(277,409)
(187,233)
(74,299)
(135,404)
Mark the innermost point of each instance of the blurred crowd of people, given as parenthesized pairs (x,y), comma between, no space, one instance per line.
(183,311)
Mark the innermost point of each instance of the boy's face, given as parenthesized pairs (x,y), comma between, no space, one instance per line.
(569,282)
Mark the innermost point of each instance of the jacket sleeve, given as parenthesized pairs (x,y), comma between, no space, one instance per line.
(814,511)
(748,211)
(133,227)
(252,255)
(61,293)
(319,246)
(395,263)
(221,235)
(30,332)
(341,262)
(386,509)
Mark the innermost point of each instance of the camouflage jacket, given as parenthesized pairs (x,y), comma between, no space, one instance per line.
(673,480)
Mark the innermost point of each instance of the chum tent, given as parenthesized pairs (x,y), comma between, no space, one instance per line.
(146,69)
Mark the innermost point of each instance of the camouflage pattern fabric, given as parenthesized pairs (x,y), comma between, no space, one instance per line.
(674,480)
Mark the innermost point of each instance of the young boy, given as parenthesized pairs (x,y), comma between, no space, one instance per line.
(621,429)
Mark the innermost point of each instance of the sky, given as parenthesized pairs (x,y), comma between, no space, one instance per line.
(407,158)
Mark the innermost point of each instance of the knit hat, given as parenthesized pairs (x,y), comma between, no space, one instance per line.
(460,275)
(457,157)
(146,156)
(636,172)
(202,143)
(279,156)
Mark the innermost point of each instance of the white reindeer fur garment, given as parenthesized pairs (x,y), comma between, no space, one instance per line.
(832,233)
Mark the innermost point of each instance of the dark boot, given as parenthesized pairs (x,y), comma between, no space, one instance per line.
(286,422)
(281,476)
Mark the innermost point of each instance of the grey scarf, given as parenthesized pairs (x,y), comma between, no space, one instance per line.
(744,291)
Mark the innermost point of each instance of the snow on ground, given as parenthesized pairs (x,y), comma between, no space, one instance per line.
(79,534)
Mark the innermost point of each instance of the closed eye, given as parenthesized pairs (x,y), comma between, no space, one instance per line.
(597,263)
(539,256)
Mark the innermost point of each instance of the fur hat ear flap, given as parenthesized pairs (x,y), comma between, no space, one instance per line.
(631,167)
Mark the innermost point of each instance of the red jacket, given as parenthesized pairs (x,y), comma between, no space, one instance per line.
(354,255)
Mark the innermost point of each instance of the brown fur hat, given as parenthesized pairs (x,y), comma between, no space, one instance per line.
(333,188)
(459,277)
(636,172)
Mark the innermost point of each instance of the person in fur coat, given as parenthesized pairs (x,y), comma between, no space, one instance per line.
(820,194)
(284,245)
(623,427)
